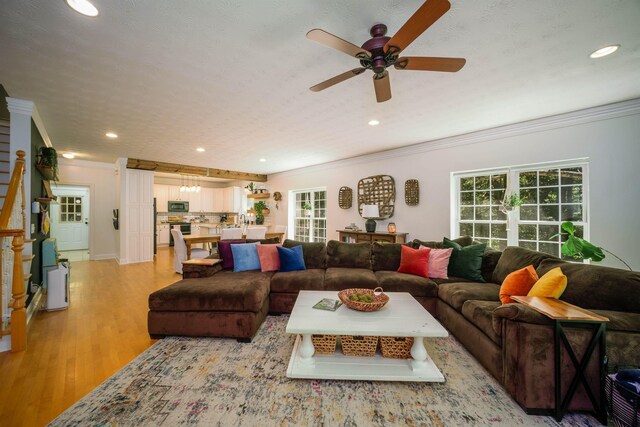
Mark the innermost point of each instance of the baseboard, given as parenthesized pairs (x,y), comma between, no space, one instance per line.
(34,306)
(5,343)
(103,257)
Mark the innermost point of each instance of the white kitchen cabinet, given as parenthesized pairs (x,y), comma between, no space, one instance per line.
(206,199)
(161,193)
(163,234)
(218,200)
(176,194)
(231,199)
(194,201)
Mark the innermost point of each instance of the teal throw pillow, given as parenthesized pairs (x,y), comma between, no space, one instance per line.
(291,259)
(465,262)
(245,257)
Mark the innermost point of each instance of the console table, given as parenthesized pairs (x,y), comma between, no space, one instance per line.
(377,236)
(565,314)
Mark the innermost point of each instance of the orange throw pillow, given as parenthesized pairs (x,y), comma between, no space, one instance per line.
(552,284)
(414,261)
(518,283)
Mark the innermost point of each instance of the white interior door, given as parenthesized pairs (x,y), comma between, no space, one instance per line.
(70,217)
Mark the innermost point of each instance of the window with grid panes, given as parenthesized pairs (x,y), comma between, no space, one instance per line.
(550,194)
(70,209)
(310,216)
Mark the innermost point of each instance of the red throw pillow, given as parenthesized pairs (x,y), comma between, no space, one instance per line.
(518,283)
(414,261)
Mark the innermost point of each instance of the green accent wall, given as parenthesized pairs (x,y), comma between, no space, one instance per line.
(4,112)
(37,190)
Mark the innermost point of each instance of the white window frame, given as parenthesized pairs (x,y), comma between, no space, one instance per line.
(513,220)
(292,212)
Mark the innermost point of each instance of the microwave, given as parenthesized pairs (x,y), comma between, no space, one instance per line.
(178,206)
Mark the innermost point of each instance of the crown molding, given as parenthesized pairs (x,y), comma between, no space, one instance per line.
(85,164)
(37,120)
(604,112)
(19,106)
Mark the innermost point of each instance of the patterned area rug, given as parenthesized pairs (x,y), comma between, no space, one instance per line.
(220,382)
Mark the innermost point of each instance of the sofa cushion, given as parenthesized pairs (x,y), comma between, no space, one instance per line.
(415,261)
(466,261)
(489,262)
(598,287)
(225,253)
(462,241)
(337,279)
(392,281)
(294,281)
(480,313)
(518,313)
(353,255)
(245,257)
(385,256)
(291,259)
(514,258)
(621,321)
(518,283)
(314,253)
(224,291)
(455,294)
(552,284)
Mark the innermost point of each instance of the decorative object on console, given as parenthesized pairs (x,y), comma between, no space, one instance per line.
(370,212)
(411,192)
(345,198)
(378,300)
(377,190)
(391,227)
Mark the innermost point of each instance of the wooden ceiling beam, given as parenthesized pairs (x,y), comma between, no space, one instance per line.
(150,165)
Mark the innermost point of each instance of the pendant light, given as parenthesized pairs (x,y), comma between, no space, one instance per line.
(183,188)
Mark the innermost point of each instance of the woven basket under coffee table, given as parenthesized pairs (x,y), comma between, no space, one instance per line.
(396,347)
(359,345)
(324,344)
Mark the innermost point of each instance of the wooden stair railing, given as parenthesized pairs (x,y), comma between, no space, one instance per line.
(18,325)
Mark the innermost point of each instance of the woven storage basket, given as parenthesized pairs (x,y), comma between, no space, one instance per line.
(324,344)
(379,300)
(358,345)
(396,347)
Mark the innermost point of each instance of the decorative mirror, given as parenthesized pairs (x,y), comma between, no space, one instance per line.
(345,198)
(412,192)
(377,190)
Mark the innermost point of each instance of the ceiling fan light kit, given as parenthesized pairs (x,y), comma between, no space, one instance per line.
(381,51)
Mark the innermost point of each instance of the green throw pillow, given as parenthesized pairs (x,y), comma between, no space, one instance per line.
(465,262)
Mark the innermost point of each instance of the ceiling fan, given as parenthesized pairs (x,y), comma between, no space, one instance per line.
(381,52)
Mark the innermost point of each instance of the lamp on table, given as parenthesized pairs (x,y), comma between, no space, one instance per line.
(370,212)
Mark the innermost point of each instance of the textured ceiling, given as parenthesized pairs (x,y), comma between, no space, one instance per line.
(233,76)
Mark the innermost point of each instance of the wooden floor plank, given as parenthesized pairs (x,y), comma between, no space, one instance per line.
(70,352)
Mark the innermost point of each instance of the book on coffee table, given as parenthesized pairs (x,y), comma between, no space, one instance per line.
(328,304)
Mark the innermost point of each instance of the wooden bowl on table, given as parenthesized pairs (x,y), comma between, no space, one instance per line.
(378,300)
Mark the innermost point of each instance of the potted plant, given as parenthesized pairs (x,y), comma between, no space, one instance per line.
(578,248)
(47,163)
(261,209)
(510,201)
(250,188)
(307,208)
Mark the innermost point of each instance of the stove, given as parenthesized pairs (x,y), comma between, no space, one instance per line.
(185,228)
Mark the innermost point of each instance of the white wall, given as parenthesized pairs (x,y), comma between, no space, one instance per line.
(100,178)
(608,136)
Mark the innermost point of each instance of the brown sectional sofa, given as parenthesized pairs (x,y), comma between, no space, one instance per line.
(513,342)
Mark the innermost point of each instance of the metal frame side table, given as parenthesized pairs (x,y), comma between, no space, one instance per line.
(565,314)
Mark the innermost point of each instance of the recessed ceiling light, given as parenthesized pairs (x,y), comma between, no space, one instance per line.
(263,160)
(83,6)
(111,135)
(200,150)
(607,50)
(69,155)
(374,122)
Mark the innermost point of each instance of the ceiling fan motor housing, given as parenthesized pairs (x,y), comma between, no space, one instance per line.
(379,59)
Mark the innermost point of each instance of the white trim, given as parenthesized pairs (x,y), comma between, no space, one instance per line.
(604,112)
(34,306)
(103,257)
(20,106)
(92,210)
(37,120)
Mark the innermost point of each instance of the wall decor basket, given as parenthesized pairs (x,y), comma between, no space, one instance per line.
(345,198)
(412,192)
(396,347)
(377,190)
(324,344)
(359,345)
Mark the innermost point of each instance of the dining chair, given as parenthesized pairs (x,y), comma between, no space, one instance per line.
(231,233)
(180,251)
(256,232)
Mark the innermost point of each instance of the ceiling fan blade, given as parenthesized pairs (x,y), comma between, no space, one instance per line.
(382,83)
(337,79)
(424,17)
(430,64)
(335,42)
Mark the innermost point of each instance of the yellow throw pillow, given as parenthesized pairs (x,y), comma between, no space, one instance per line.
(552,284)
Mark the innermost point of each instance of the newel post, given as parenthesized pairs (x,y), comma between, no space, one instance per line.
(19,314)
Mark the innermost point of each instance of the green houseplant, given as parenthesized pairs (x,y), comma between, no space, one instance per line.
(261,208)
(47,163)
(578,248)
(510,201)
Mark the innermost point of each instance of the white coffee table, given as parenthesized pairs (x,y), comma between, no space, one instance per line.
(403,316)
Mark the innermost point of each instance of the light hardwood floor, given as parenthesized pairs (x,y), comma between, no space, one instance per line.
(70,352)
